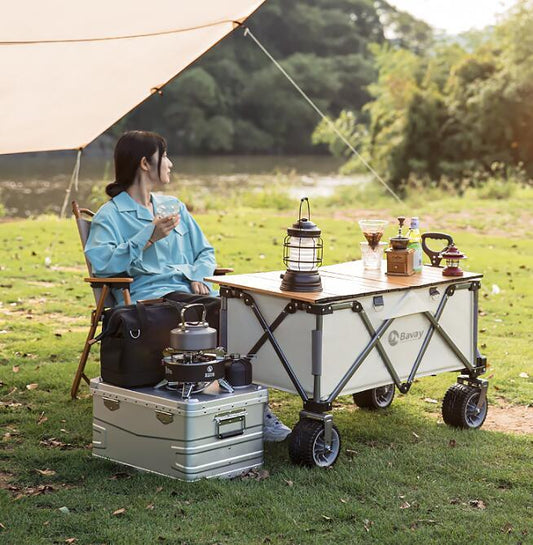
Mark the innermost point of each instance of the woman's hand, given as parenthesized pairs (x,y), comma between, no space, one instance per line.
(200,288)
(163,226)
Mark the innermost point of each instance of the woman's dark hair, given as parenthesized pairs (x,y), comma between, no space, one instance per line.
(131,147)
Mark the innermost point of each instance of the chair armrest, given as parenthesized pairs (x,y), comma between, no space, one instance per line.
(109,281)
(219,271)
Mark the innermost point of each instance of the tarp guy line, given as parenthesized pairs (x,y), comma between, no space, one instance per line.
(247,32)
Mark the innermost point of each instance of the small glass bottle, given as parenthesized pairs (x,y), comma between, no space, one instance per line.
(415,242)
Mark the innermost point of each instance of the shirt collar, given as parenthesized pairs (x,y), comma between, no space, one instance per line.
(125,203)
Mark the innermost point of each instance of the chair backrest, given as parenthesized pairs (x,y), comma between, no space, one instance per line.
(83,217)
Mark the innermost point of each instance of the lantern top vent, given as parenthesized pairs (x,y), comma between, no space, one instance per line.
(452,253)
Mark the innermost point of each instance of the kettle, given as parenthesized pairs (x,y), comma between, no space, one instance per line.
(193,336)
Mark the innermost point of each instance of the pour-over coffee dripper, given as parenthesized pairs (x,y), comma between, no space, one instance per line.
(373,231)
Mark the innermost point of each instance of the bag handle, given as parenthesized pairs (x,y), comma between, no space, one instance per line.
(186,308)
(143,321)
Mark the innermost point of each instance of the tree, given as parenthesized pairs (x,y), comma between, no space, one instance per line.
(234,100)
(457,108)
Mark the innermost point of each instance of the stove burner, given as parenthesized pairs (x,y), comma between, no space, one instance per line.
(190,372)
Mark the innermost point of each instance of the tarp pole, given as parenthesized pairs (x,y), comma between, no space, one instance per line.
(73,182)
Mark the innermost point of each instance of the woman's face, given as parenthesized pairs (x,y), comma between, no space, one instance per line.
(163,176)
(164,170)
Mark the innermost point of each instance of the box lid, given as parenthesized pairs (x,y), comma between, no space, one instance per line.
(212,399)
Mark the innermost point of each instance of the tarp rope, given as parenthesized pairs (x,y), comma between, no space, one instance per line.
(73,182)
(248,32)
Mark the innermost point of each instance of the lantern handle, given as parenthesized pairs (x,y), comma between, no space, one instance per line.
(308,209)
(434,256)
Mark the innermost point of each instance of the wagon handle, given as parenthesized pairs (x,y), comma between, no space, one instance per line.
(434,257)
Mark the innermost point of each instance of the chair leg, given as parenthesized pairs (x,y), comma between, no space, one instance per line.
(126,295)
(95,319)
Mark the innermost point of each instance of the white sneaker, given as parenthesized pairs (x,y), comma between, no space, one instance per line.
(274,430)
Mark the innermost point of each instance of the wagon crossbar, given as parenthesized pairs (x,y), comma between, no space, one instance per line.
(374,342)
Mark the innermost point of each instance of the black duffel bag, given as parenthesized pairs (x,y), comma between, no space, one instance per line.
(133,339)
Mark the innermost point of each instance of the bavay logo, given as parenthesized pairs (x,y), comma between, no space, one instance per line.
(396,337)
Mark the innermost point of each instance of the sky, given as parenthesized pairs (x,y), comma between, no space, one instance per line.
(454,16)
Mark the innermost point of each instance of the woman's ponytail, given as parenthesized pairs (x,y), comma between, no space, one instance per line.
(113,189)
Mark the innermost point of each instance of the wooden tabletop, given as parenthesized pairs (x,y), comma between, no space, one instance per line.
(342,281)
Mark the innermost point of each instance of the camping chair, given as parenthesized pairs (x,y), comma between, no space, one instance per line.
(103,295)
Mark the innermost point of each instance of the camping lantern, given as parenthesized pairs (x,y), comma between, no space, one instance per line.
(452,256)
(302,254)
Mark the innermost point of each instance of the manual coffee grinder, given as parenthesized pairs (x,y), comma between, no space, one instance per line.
(399,256)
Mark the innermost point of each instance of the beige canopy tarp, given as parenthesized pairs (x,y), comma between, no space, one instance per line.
(69,69)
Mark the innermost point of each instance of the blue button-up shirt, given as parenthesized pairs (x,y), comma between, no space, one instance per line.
(119,232)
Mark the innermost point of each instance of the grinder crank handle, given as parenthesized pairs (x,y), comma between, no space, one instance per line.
(434,256)
(187,307)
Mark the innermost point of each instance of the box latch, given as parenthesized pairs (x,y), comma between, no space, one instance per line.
(230,424)
(111,404)
(164,418)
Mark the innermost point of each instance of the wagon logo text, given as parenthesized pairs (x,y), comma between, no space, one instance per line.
(396,337)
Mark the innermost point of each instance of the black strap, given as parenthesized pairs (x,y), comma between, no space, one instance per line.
(143,320)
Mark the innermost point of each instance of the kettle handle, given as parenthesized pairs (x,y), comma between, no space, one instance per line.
(187,307)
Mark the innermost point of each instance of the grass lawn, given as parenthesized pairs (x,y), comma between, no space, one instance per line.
(403,477)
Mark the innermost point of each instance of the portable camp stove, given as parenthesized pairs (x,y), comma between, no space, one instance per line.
(191,372)
(192,362)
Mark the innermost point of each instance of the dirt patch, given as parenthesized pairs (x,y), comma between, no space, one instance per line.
(42,283)
(509,418)
(5,480)
(471,220)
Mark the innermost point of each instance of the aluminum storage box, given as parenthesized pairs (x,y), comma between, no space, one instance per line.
(212,434)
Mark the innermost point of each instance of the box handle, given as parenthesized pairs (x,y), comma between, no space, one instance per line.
(228,419)
(164,418)
(111,404)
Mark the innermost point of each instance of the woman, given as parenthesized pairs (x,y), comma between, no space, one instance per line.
(153,238)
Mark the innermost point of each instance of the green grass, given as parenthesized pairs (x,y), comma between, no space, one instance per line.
(402,477)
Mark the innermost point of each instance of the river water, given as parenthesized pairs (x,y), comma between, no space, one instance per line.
(36,184)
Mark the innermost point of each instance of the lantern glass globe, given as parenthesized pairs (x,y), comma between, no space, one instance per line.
(302,254)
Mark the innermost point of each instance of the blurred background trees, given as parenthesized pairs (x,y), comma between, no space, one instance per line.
(233,100)
(459,111)
(435,109)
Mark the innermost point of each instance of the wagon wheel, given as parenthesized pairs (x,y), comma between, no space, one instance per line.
(459,407)
(375,398)
(307,446)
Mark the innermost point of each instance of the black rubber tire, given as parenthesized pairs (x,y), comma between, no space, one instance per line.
(306,444)
(459,407)
(376,398)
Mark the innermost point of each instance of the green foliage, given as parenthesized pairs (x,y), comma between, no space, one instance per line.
(233,99)
(270,198)
(452,111)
